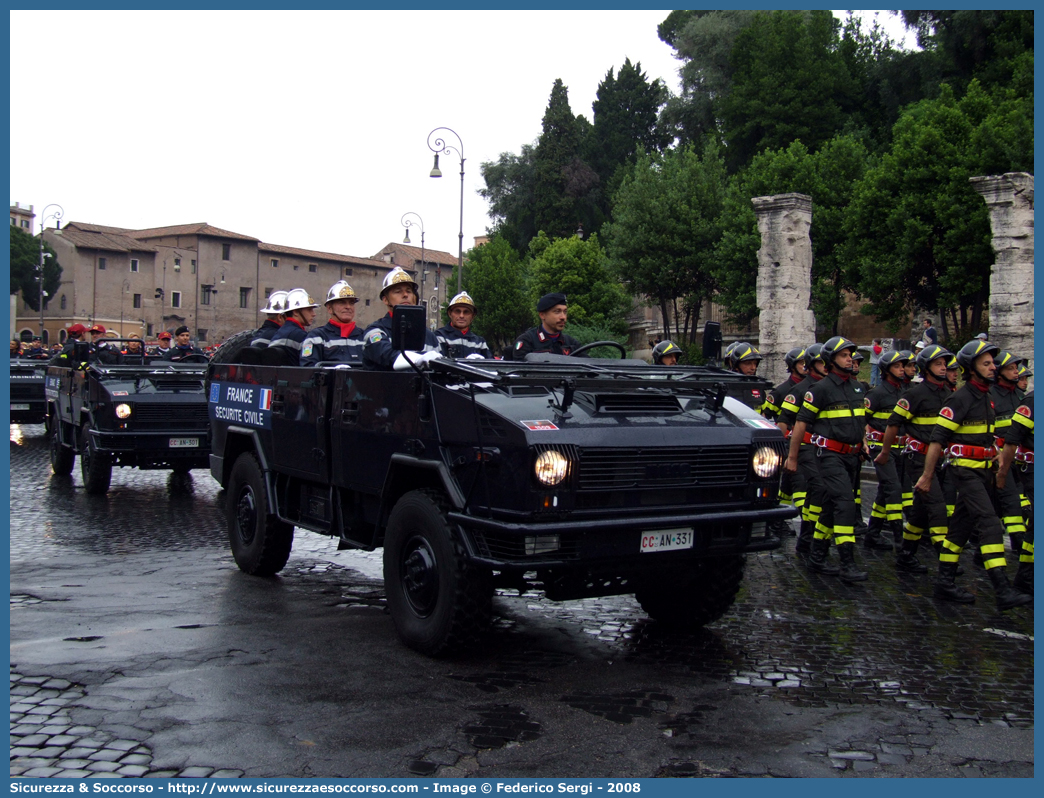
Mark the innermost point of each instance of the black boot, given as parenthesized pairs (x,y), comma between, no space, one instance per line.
(1008,598)
(906,562)
(818,558)
(780,528)
(803,547)
(946,586)
(1023,581)
(874,539)
(849,571)
(896,528)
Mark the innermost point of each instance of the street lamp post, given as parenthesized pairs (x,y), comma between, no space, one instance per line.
(44,216)
(437,146)
(407,223)
(123,292)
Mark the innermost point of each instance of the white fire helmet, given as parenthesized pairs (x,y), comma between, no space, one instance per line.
(341,290)
(299,299)
(276,303)
(397,276)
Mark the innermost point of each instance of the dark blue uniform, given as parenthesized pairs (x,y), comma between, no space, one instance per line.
(540,340)
(377,344)
(264,333)
(178,353)
(336,342)
(456,344)
(291,336)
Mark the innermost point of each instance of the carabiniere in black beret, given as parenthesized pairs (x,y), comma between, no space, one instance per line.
(548,301)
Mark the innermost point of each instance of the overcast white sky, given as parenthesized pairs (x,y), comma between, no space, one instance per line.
(306,129)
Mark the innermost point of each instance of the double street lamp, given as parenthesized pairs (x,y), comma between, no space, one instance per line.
(408,223)
(437,146)
(44,216)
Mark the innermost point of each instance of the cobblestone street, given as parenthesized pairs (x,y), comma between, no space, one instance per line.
(138,649)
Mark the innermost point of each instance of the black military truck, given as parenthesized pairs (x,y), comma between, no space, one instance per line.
(28,405)
(580,477)
(143,413)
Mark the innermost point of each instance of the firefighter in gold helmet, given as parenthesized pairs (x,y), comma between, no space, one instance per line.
(399,289)
(456,339)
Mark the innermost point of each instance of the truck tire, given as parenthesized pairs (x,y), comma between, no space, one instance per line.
(260,542)
(701,598)
(231,347)
(95,466)
(440,604)
(62,457)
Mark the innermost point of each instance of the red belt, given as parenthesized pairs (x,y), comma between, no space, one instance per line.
(1000,443)
(1024,456)
(914,445)
(832,445)
(874,435)
(971,452)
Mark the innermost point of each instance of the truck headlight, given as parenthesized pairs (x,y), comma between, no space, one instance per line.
(766,462)
(123,410)
(551,467)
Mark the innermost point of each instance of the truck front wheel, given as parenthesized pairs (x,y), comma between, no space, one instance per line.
(260,542)
(95,466)
(697,599)
(439,602)
(62,457)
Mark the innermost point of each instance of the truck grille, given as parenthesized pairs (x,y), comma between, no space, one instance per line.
(633,468)
(172,417)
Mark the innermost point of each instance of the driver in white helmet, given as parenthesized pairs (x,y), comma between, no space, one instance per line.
(456,338)
(274,319)
(399,289)
(300,315)
(339,340)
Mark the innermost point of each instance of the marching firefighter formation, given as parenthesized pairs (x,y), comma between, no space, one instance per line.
(954,464)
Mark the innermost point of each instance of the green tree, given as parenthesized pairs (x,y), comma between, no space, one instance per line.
(579,269)
(511,191)
(561,178)
(919,233)
(703,41)
(993,46)
(496,280)
(789,82)
(626,109)
(25,261)
(666,223)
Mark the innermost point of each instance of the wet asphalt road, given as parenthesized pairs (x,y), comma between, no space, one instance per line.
(138,649)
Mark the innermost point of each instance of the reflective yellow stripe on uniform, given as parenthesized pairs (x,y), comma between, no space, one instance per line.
(1027,551)
(884,415)
(992,561)
(924,419)
(1014,524)
(972,429)
(790,408)
(810,406)
(1021,419)
(902,411)
(951,552)
(964,461)
(845,412)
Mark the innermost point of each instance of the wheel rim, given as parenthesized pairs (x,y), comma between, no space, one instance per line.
(85,454)
(420,576)
(246,515)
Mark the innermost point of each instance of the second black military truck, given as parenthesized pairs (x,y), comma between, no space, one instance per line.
(28,405)
(143,413)
(578,477)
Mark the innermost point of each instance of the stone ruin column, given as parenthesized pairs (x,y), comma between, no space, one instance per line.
(784,286)
(1009,198)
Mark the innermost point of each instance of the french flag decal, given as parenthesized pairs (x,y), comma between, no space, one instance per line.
(266,399)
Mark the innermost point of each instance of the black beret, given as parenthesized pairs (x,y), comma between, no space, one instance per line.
(181,329)
(548,301)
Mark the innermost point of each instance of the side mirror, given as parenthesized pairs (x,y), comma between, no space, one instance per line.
(712,341)
(408,328)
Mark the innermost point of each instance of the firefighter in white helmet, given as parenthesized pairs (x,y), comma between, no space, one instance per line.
(274,319)
(339,340)
(399,289)
(300,315)
(456,339)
